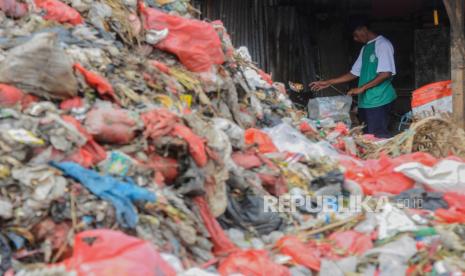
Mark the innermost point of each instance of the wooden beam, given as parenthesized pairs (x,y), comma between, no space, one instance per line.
(455,11)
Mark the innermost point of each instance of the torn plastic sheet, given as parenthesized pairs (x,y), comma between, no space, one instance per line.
(121,194)
(445,176)
(287,138)
(392,221)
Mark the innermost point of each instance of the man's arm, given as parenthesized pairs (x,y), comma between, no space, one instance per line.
(376,81)
(319,85)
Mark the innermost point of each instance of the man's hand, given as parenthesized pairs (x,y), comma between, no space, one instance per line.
(356,91)
(319,85)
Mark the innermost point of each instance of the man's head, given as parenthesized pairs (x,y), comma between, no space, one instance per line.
(361,30)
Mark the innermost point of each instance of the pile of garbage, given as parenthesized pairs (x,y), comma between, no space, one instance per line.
(135,138)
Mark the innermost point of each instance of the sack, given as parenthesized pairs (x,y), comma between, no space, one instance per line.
(59,12)
(434,97)
(41,67)
(194,42)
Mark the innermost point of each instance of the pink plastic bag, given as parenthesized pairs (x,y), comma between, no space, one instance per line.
(59,12)
(251,263)
(13,8)
(353,242)
(106,253)
(194,42)
(111,125)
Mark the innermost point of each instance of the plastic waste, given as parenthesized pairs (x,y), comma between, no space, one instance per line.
(433,97)
(262,140)
(336,108)
(153,37)
(10,95)
(100,84)
(456,211)
(161,122)
(118,164)
(91,153)
(299,251)
(352,242)
(393,256)
(445,176)
(250,213)
(289,139)
(341,267)
(60,12)
(120,194)
(234,132)
(194,42)
(112,125)
(41,67)
(392,221)
(420,199)
(253,263)
(13,8)
(378,176)
(96,252)
(222,244)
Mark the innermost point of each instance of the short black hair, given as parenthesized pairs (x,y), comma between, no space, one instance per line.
(357,22)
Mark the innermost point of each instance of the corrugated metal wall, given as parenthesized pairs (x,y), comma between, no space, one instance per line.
(276,32)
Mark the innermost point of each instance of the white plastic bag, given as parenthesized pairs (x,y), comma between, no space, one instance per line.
(445,176)
(287,138)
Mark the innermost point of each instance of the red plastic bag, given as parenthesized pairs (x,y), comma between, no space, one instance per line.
(247,160)
(99,83)
(431,92)
(353,242)
(75,102)
(106,253)
(160,66)
(10,95)
(166,169)
(251,263)
(161,122)
(111,125)
(196,144)
(456,211)
(91,153)
(377,176)
(59,12)
(300,252)
(194,42)
(221,242)
(12,8)
(275,185)
(255,136)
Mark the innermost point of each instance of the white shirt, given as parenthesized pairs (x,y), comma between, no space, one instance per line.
(384,51)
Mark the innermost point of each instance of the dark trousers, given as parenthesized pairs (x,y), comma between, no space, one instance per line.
(376,120)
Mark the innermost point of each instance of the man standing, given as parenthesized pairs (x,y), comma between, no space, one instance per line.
(375,68)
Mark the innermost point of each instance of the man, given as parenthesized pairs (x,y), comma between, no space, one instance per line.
(375,68)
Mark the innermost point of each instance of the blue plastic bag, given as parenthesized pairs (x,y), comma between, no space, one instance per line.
(120,194)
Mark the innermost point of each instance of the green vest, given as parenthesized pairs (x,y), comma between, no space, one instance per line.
(379,95)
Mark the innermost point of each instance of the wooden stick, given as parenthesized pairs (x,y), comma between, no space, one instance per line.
(333,225)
